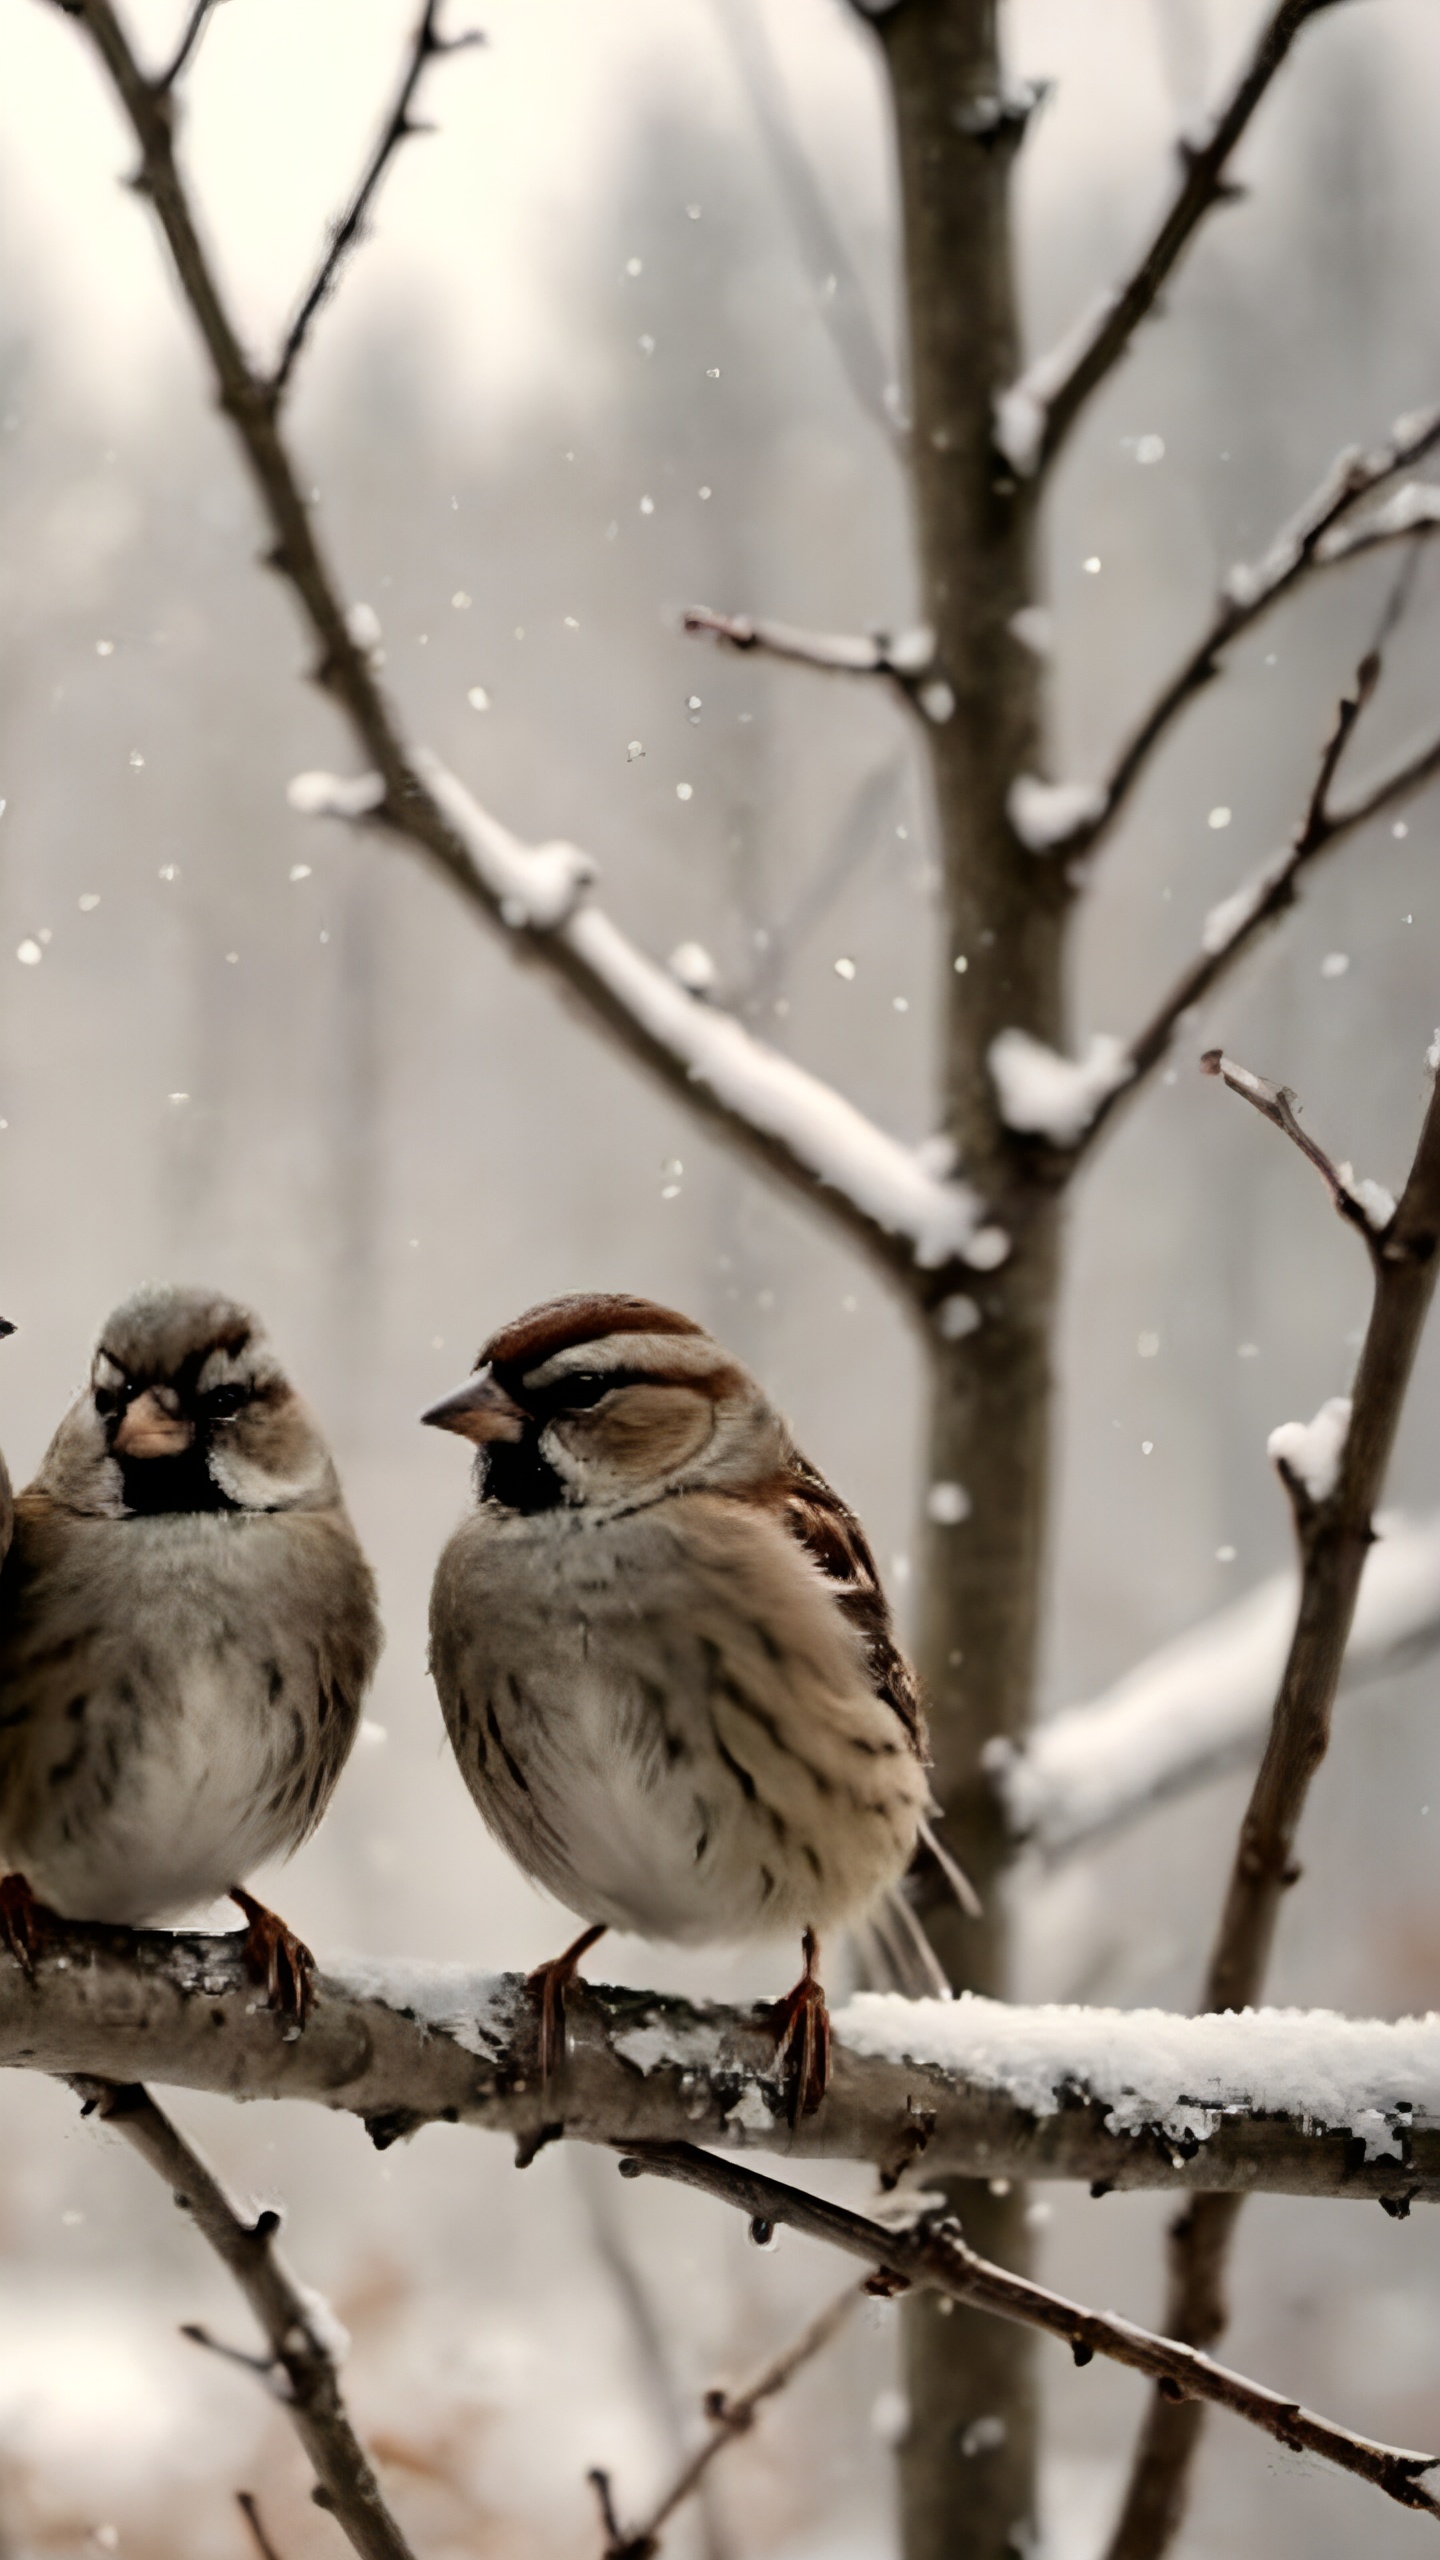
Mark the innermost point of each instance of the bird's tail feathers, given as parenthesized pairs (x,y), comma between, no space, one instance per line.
(894,1953)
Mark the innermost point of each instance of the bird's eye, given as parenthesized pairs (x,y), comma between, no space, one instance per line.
(586,1387)
(221,1402)
(108,1400)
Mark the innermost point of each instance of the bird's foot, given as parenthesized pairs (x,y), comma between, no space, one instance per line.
(23,1922)
(802,2029)
(276,1957)
(551,1982)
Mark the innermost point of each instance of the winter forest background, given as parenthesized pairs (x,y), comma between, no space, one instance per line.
(587,373)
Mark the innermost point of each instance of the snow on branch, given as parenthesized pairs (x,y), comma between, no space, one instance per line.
(906,660)
(1200,1706)
(1329,528)
(1035,415)
(541,890)
(976,2088)
(1365,1204)
(1045,1095)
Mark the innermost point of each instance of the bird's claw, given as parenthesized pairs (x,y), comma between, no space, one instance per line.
(550,1982)
(22,1922)
(802,2049)
(276,1957)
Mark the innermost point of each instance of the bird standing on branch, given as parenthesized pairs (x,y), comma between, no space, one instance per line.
(665,1660)
(187,1629)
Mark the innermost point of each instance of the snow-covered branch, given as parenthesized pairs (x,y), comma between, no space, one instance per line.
(1035,415)
(905,659)
(1364,1203)
(1200,1706)
(1294,2104)
(304,2341)
(933,2252)
(1329,528)
(912,1220)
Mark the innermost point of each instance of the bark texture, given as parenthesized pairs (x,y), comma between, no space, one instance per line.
(968,2487)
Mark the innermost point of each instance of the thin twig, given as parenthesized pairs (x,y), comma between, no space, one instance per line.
(906,663)
(615,985)
(1335,1531)
(934,2254)
(398,128)
(195,26)
(1239,920)
(251,2513)
(1320,536)
(1204,184)
(729,2417)
(311,2397)
(1276,1103)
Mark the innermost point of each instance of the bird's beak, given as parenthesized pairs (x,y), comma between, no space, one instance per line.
(5,1327)
(480,1410)
(148,1431)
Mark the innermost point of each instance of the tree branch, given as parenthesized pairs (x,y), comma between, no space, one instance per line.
(1334,1504)
(1240,919)
(194,28)
(299,2350)
(1322,535)
(934,2254)
(1036,415)
(1363,1206)
(918,1229)
(906,662)
(1201,1705)
(348,230)
(729,2418)
(974,2088)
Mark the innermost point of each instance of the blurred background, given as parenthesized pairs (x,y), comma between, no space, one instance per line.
(599,361)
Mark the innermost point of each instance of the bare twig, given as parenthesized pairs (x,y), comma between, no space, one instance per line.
(1335,1531)
(1204,184)
(934,2254)
(1319,537)
(194,28)
(793,1126)
(299,2353)
(1239,920)
(348,230)
(1276,1103)
(249,2509)
(104,2001)
(906,662)
(729,2418)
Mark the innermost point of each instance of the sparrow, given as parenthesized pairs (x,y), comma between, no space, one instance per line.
(187,1629)
(666,1663)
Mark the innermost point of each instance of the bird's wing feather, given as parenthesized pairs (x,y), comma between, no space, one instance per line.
(828,1530)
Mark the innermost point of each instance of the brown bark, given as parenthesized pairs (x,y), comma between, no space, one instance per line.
(969,2496)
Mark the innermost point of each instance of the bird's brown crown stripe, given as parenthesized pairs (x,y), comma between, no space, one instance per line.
(562,1322)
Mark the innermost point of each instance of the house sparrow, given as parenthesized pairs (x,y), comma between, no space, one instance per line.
(665,1660)
(187,1628)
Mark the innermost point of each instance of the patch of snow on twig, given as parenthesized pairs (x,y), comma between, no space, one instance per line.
(1311,1451)
(1022,412)
(1201,1704)
(1047,814)
(884,1179)
(1046,1095)
(1150,2069)
(476,2010)
(335,795)
(1227,921)
(1411,509)
(537,886)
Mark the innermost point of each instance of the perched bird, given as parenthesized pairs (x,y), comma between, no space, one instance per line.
(665,1660)
(187,1629)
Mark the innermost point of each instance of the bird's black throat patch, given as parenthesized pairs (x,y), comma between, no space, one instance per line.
(182,1483)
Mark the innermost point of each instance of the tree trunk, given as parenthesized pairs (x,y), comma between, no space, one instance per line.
(967,2465)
